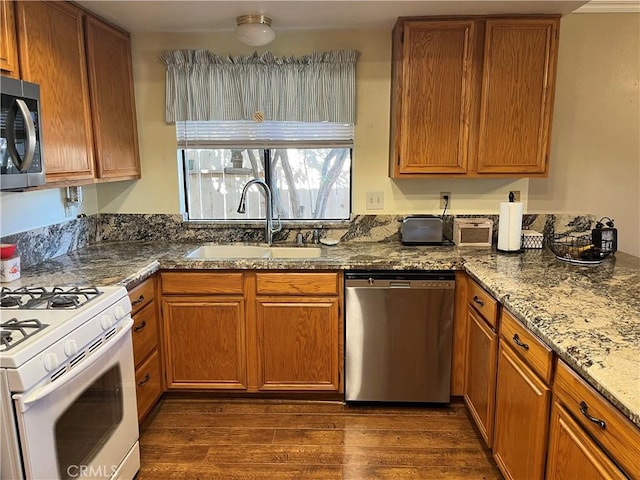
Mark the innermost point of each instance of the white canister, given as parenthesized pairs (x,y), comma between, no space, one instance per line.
(10,269)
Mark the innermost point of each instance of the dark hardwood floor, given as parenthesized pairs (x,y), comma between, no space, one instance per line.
(195,438)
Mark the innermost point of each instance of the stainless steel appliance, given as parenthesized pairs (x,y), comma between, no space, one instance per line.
(21,158)
(67,384)
(421,230)
(398,336)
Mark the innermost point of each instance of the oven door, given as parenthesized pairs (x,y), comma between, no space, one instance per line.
(84,424)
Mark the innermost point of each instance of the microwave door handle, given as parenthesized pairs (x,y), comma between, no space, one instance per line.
(25,401)
(21,164)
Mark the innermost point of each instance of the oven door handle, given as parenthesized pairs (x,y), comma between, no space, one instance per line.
(24,402)
(22,164)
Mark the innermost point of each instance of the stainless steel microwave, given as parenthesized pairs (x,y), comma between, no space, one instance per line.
(21,153)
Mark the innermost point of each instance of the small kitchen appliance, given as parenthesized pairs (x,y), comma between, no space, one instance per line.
(67,384)
(21,158)
(421,230)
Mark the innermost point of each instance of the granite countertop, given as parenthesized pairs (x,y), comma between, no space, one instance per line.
(589,315)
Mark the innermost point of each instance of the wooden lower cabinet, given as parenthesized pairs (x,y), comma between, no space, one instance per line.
(148,384)
(573,454)
(205,342)
(480,373)
(146,336)
(522,418)
(253,331)
(297,343)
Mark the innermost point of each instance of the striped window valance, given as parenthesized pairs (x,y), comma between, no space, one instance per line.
(319,87)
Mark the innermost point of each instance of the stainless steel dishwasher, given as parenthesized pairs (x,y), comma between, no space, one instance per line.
(398,336)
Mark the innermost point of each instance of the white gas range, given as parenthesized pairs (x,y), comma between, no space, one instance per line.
(67,386)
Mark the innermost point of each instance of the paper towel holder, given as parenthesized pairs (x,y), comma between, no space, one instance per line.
(502,233)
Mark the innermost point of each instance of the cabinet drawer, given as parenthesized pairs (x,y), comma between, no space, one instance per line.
(618,436)
(141,295)
(526,344)
(145,333)
(148,384)
(186,283)
(297,283)
(483,303)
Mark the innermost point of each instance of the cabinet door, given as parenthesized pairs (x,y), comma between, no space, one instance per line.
(432,77)
(8,44)
(52,54)
(480,373)
(112,101)
(572,453)
(517,95)
(522,418)
(297,343)
(205,343)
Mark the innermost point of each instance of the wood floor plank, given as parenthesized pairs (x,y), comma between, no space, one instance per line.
(278,440)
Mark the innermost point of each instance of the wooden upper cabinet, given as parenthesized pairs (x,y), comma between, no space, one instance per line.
(52,54)
(431,88)
(517,95)
(472,96)
(8,44)
(112,101)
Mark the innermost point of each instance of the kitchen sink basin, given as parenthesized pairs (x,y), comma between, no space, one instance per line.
(216,252)
(295,252)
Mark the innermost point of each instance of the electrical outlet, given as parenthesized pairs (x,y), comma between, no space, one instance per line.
(516,195)
(445,202)
(375,200)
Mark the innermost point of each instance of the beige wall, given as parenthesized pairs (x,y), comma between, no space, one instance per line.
(595,50)
(595,149)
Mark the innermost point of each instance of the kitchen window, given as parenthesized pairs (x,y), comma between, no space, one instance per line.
(286,120)
(306,164)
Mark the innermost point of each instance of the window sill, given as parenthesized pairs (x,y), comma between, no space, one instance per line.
(288,224)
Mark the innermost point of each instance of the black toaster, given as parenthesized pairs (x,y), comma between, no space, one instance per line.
(421,230)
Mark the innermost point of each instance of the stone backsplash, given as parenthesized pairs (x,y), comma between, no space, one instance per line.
(41,244)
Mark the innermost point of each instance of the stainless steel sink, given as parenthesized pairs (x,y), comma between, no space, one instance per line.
(216,252)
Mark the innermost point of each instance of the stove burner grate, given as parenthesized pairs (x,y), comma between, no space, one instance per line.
(26,328)
(43,298)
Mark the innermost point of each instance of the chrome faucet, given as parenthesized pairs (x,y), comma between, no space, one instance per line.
(268,230)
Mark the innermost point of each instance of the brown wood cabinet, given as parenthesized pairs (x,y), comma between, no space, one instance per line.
(472,96)
(573,454)
(253,331)
(52,54)
(146,346)
(113,109)
(298,331)
(481,357)
(8,42)
(83,67)
(588,434)
(522,402)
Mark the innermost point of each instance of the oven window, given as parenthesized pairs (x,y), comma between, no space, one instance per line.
(88,423)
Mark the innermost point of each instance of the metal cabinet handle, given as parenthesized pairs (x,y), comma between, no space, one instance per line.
(517,341)
(583,410)
(140,327)
(140,299)
(478,301)
(147,377)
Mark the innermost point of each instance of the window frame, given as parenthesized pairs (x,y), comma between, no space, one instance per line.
(184,203)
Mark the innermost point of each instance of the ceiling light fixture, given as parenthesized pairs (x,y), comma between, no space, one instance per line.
(254,30)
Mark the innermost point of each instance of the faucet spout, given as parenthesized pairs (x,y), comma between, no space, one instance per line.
(269,230)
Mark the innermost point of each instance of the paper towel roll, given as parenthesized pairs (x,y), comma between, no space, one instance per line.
(510,226)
